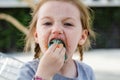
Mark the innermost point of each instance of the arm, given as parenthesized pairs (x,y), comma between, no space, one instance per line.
(27,72)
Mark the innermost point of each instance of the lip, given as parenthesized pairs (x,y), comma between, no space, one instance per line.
(57,39)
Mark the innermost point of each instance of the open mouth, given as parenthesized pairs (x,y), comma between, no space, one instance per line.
(57,41)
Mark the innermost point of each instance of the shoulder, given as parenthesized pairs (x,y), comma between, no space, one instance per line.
(27,71)
(83,66)
(31,65)
(85,70)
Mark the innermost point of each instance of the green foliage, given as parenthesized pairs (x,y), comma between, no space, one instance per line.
(11,38)
(107,26)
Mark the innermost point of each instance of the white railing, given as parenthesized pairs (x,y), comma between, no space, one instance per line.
(92,3)
(9,67)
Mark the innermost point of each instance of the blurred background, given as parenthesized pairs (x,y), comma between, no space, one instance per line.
(103,56)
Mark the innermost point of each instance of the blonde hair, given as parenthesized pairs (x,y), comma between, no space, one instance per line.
(86,24)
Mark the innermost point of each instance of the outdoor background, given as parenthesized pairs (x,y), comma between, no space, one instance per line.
(104,54)
(106,24)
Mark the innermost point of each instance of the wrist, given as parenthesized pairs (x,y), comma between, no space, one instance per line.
(38,78)
(41,78)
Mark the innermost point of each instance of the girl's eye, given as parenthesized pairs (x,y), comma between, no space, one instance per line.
(48,24)
(68,24)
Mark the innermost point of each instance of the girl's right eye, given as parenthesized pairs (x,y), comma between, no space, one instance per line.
(47,24)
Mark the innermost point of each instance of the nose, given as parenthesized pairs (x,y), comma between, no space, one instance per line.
(57,30)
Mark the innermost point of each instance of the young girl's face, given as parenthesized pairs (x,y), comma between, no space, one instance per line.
(59,20)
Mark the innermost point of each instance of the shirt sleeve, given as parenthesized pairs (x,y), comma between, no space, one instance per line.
(27,71)
(89,72)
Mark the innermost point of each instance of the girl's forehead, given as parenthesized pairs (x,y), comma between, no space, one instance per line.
(59,8)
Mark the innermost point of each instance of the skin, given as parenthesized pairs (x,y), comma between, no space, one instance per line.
(60,20)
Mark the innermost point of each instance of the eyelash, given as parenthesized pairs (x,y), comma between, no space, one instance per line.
(68,24)
(47,23)
(65,24)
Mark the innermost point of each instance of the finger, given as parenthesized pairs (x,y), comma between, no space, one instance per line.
(63,51)
(62,54)
(52,48)
(58,49)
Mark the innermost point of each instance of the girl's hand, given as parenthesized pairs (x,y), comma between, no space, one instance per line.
(51,62)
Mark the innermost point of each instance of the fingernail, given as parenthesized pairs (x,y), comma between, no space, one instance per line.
(61,45)
(58,46)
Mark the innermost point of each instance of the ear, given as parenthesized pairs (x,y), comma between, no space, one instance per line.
(83,37)
(36,37)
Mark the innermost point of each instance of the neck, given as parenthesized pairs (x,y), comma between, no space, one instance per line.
(69,69)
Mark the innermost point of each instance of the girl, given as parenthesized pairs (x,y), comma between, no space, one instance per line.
(58,29)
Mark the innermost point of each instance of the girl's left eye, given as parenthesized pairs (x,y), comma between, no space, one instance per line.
(68,24)
(48,24)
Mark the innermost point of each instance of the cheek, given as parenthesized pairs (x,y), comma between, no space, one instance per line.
(43,40)
(73,40)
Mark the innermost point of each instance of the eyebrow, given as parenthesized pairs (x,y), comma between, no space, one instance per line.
(69,18)
(46,17)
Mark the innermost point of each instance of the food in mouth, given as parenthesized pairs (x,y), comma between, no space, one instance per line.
(57,41)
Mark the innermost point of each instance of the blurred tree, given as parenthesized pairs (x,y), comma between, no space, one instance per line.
(10,36)
(13,21)
(107,26)
(8,43)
